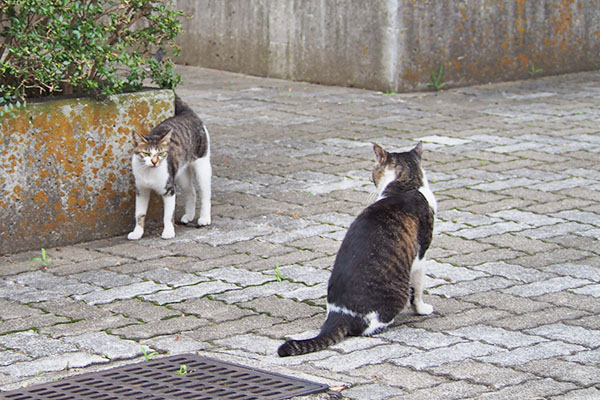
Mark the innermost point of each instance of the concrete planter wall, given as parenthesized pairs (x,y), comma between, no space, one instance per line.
(65,172)
(391,45)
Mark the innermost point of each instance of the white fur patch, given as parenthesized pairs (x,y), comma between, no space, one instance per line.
(389,176)
(375,325)
(342,310)
(372,318)
(417,282)
(154,178)
(426,191)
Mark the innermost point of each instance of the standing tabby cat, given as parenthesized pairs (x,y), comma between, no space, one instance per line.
(382,256)
(176,152)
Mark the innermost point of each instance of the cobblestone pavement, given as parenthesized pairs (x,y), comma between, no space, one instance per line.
(513,272)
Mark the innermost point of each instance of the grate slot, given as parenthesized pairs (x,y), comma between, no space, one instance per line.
(206,379)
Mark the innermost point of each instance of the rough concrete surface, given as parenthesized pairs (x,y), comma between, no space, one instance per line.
(65,168)
(513,269)
(392,45)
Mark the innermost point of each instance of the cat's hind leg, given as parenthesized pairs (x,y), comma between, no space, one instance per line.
(417,278)
(203,174)
(169,210)
(142,198)
(186,182)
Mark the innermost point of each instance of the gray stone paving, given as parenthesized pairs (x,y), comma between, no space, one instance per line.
(513,269)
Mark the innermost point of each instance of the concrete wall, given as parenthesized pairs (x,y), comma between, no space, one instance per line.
(65,168)
(392,45)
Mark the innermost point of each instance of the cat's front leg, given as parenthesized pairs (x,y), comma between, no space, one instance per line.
(142,198)
(417,278)
(169,210)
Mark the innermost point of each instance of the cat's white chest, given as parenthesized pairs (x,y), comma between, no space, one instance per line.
(151,178)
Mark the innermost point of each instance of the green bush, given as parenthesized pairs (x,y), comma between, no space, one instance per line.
(98,47)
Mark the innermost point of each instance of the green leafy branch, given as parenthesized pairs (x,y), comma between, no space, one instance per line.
(99,47)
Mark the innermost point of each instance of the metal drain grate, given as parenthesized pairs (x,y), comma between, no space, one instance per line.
(202,378)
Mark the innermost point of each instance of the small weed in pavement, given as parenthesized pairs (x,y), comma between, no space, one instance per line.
(148,356)
(183,369)
(436,80)
(278,274)
(45,260)
(533,71)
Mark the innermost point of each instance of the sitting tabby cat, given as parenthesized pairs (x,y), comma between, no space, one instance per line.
(380,264)
(176,152)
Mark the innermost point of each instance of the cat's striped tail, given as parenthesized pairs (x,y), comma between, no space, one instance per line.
(335,328)
(180,105)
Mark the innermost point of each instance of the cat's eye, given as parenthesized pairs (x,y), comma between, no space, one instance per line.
(145,154)
(162,154)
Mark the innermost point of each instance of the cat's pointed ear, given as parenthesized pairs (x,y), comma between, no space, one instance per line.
(419,149)
(166,137)
(137,138)
(380,154)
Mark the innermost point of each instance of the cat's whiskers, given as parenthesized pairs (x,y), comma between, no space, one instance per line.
(373,196)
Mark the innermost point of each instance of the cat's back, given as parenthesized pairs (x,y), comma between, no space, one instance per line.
(387,230)
(397,209)
(189,136)
(184,122)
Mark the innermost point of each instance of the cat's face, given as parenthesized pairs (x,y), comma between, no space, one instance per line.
(151,152)
(403,167)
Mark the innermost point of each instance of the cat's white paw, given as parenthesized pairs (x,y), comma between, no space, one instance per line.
(168,232)
(423,308)
(187,218)
(204,221)
(135,235)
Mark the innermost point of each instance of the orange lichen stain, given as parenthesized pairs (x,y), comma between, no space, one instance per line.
(19,123)
(411,75)
(49,226)
(62,218)
(523,60)
(72,201)
(564,21)
(40,197)
(18,191)
(139,110)
(12,160)
(506,60)
(546,42)
(73,146)
(456,64)
(520,20)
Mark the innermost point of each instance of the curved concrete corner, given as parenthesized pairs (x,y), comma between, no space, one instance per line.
(65,172)
(392,45)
